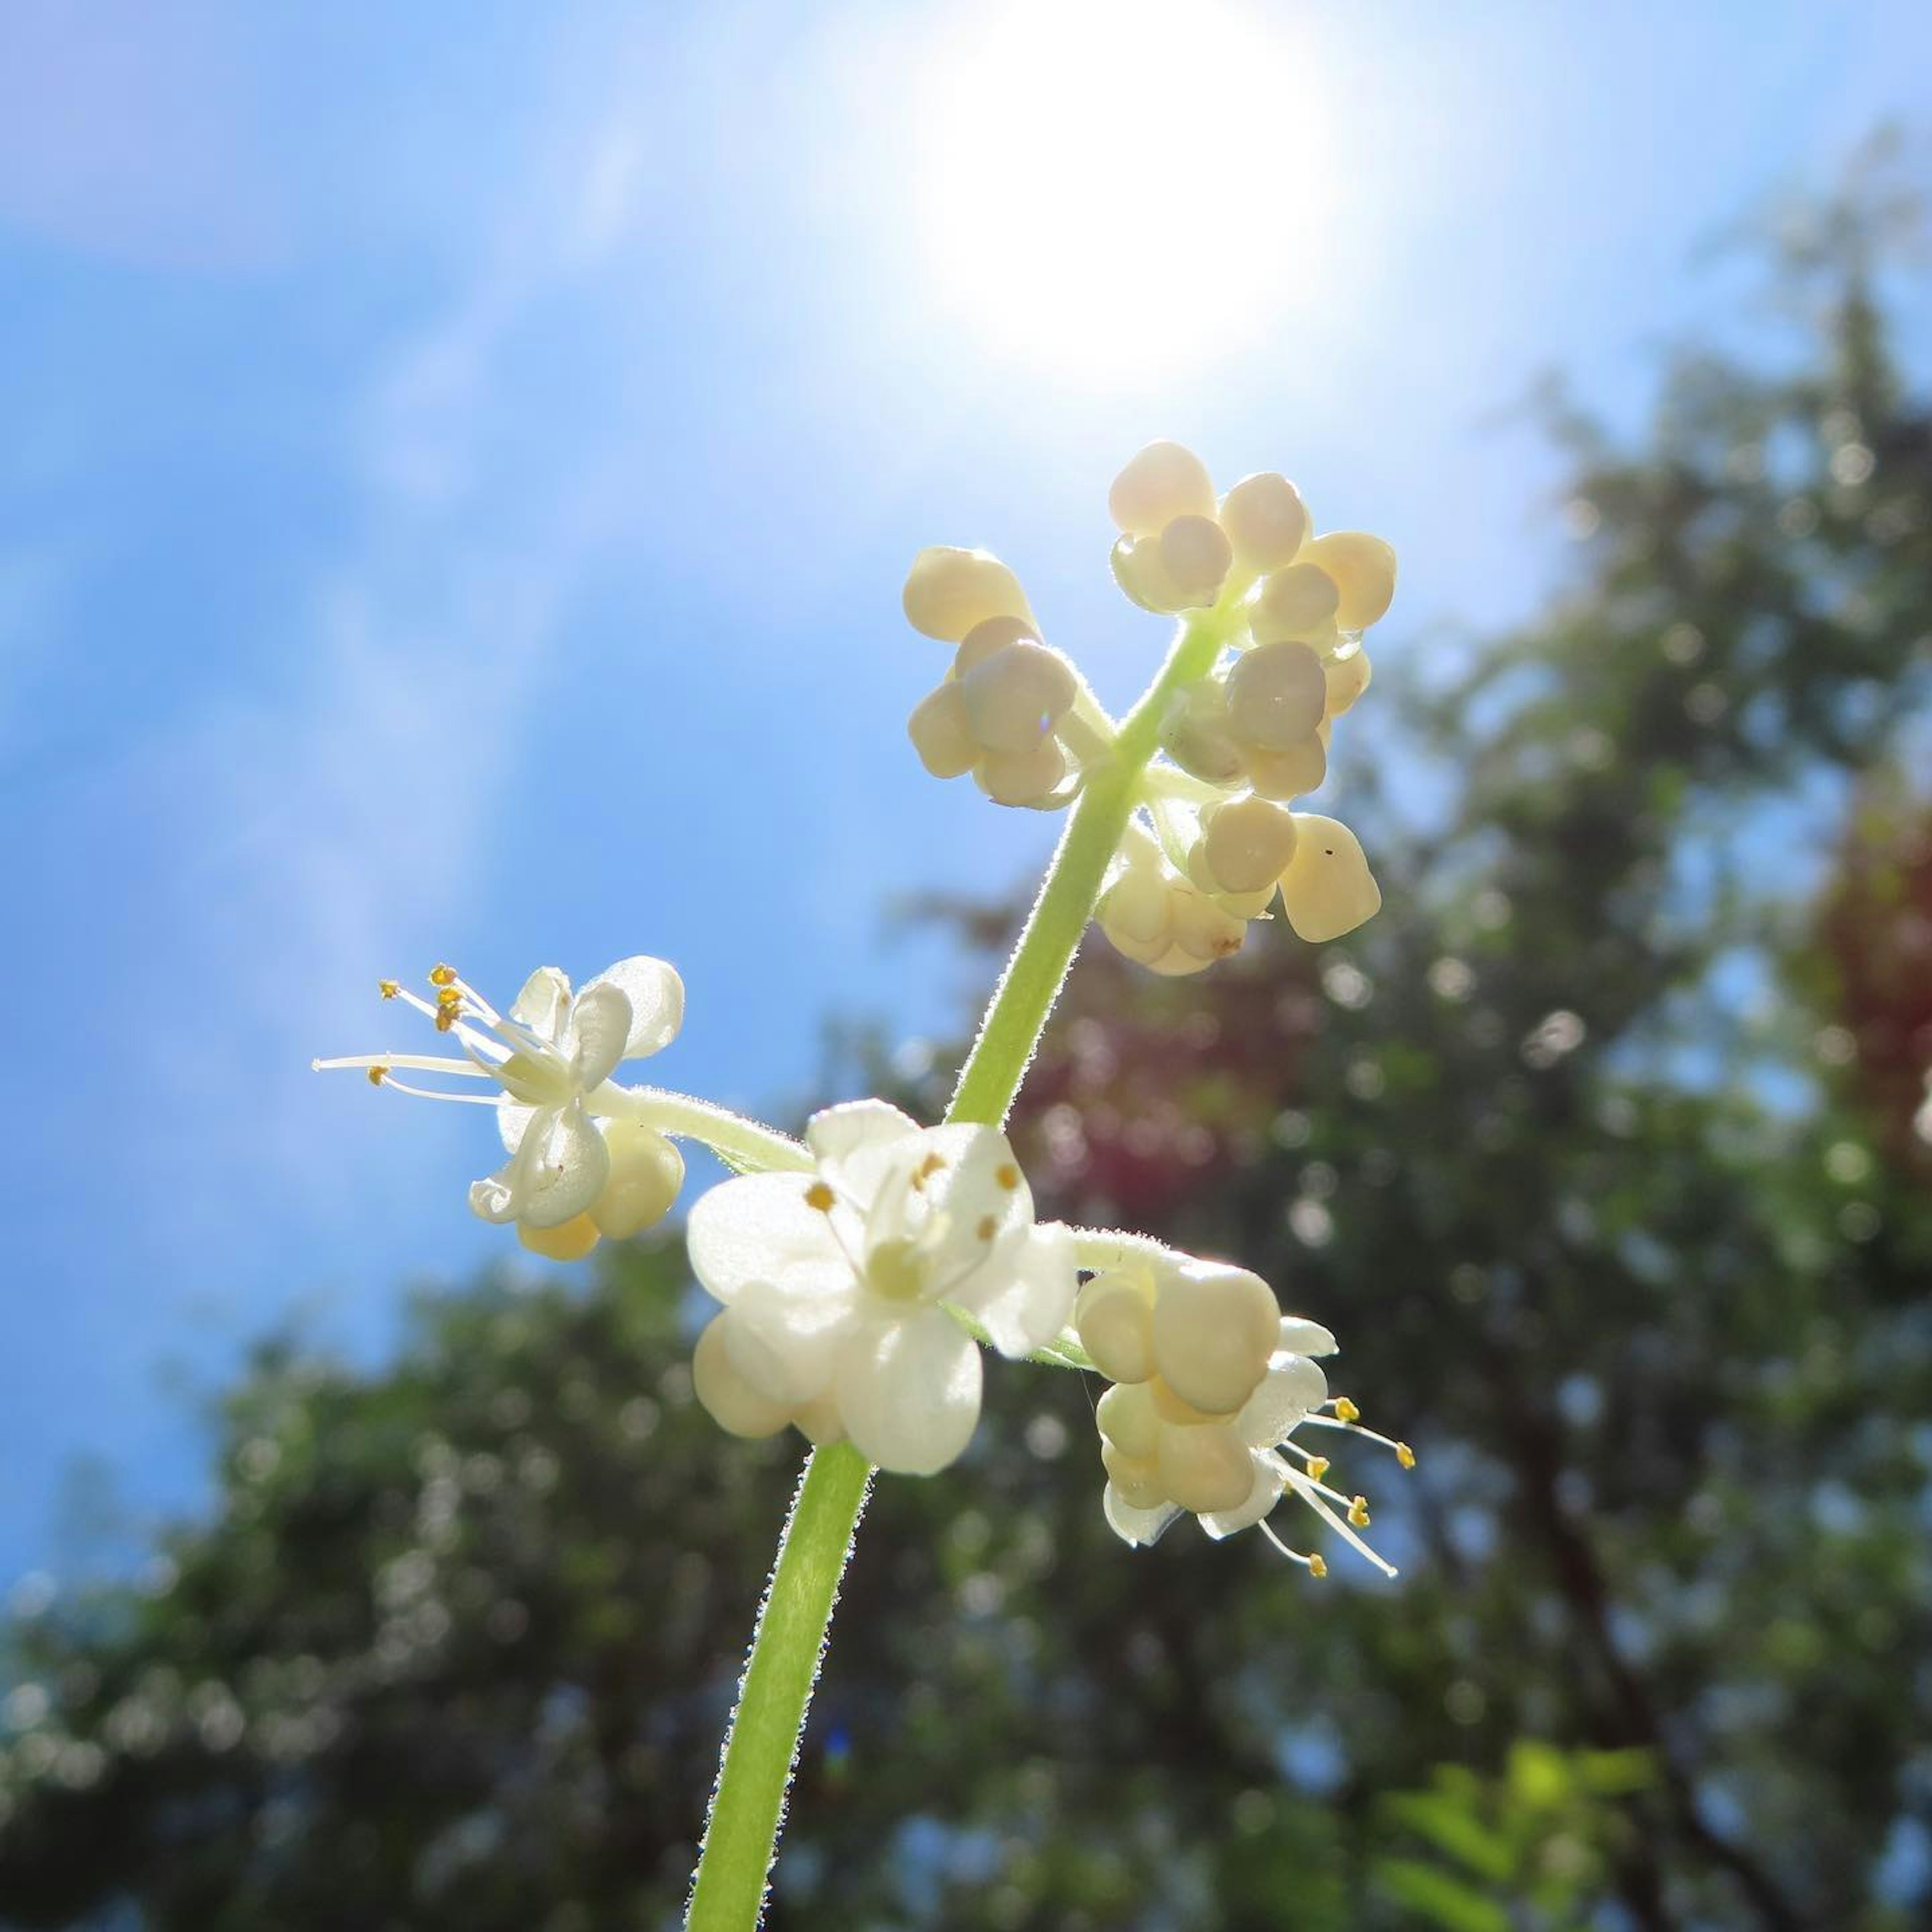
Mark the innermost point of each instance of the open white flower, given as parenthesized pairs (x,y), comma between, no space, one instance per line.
(1211,1383)
(551,1059)
(837,1285)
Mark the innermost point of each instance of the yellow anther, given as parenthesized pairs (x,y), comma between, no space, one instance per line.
(1358,1512)
(1317,1467)
(448,996)
(1008,1176)
(1346,1410)
(988,1227)
(388,988)
(819,1196)
(445,1018)
(932,1164)
(1404,1455)
(442,976)
(1317,1567)
(377,1075)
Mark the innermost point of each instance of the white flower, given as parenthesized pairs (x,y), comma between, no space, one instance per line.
(836,1285)
(571,1175)
(1211,1382)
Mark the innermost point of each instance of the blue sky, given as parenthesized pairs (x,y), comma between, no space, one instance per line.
(460,462)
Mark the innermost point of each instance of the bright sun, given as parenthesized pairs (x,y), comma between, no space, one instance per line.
(1105,186)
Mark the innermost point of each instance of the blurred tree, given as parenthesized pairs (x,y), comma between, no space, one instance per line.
(1594,1147)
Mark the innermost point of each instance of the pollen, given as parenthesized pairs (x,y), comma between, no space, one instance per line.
(377,1075)
(1008,1176)
(819,1196)
(442,976)
(388,988)
(1317,1566)
(1404,1455)
(1346,1410)
(1358,1512)
(1317,1467)
(445,1018)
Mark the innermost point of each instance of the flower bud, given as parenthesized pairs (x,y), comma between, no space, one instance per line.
(991,634)
(1290,774)
(1327,890)
(1213,1329)
(1139,570)
(1347,676)
(647,1171)
(569,1243)
(1201,930)
(1197,736)
(1364,568)
(941,734)
(1246,844)
(1114,1322)
(1196,556)
(1137,1478)
(1266,520)
(1163,482)
(1204,1468)
(1022,778)
(1016,696)
(1129,1420)
(949,591)
(1297,602)
(1136,912)
(1276,695)
(730,1401)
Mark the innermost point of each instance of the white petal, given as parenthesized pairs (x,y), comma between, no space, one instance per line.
(909,1391)
(1136,1527)
(731,1401)
(786,1345)
(760,1228)
(512,1123)
(853,1143)
(502,1196)
(1293,1388)
(565,1163)
(600,1023)
(1261,1498)
(1026,1301)
(1301,1336)
(656,994)
(543,1004)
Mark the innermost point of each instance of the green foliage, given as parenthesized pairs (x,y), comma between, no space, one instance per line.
(1578,1146)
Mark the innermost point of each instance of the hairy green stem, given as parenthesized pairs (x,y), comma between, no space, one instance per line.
(748,1145)
(762,1745)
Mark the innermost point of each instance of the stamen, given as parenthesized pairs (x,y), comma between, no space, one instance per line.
(819,1196)
(388,988)
(1402,1453)
(424,1063)
(1314,1565)
(1008,1176)
(377,1075)
(442,976)
(987,1228)
(1312,1494)
(1345,1409)
(1358,1512)
(433,1094)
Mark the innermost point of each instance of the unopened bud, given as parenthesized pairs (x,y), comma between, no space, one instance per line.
(1327,890)
(1293,773)
(1214,1328)
(1128,1418)
(949,591)
(1276,694)
(1196,556)
(1113,1319)
(1266,520)
(1300,602)
(1016,696)
(1204,1468)
(1136,1479)
(1136,912)
(1163,482)
(1022,778)
(1246,844)
(941,734)
(1364,568)
(570,1242)
(1201,930)
(1139,570)
(991,634)
(1348,675)
(1198,736)
(647,1171)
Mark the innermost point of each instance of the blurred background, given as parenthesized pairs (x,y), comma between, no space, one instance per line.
(460,466)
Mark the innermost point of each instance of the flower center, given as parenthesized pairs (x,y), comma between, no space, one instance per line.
(896,1270)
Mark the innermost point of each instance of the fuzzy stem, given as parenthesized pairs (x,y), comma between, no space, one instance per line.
(748,1805)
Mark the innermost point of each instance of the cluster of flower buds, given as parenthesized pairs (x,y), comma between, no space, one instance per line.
(1210,1383)
(1009,710)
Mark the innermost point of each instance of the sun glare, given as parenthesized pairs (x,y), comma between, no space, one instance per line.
(1107,187)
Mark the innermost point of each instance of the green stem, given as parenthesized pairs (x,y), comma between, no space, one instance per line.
(741,1836)
(748,1145)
